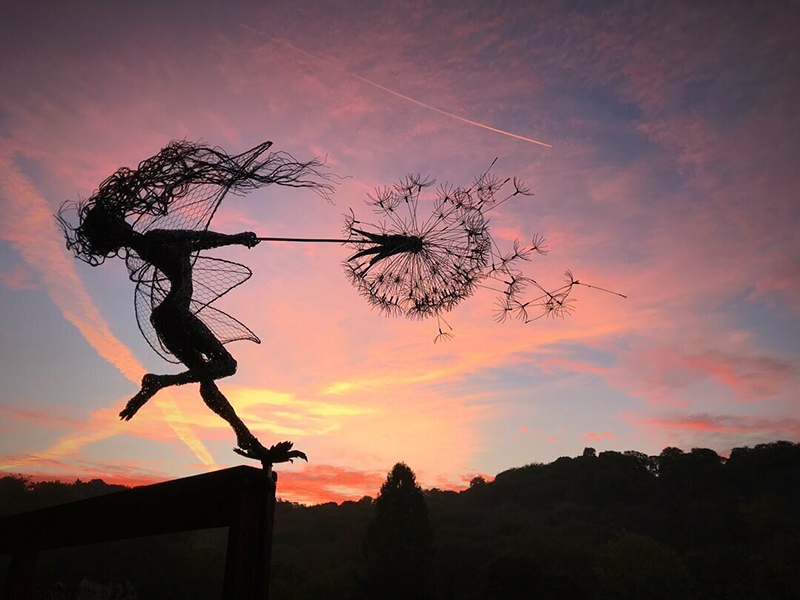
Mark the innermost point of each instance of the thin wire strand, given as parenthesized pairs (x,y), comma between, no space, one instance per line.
(313,240)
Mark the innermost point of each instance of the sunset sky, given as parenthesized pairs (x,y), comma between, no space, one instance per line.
(672,178)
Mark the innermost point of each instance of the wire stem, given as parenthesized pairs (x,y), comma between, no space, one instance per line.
(284,239)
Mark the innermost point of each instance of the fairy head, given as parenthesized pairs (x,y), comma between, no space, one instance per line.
(101,231)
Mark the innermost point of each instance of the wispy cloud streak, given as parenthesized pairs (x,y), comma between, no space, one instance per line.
(27,223)
(398,94)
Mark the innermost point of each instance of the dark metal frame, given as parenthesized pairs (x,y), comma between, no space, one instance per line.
(241,498)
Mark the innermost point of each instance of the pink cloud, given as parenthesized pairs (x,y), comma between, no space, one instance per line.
(726,424)
(664,375)
(18,279)
(597,437)
(721,432)
(28,224)
(38,418)
(552,437)
(750,377)
(780,279)
(555,364)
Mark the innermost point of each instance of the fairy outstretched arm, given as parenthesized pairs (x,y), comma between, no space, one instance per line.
(203,240)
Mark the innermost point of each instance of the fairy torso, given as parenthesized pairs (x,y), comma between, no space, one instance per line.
(171,275)
(174,259)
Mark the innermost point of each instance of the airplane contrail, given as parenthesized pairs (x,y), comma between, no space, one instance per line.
(398,94)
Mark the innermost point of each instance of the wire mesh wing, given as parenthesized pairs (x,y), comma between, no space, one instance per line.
(182,186)
(191,211)
(151,288)
(212,278)
(225,327)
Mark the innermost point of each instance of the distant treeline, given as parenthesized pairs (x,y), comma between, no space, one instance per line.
(609,525)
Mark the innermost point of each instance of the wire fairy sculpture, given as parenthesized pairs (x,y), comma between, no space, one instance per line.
(156,218)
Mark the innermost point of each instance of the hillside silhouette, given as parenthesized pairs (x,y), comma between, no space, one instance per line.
(601,525)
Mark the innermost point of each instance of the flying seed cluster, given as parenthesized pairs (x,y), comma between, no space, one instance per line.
(418,266)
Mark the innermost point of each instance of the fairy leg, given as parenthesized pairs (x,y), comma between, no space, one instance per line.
(217,402)
(207,360)
(150,387)
(151,383)
(249,446)
(189,339)
(220,364)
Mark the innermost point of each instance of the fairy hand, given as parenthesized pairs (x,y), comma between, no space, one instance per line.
(249,239)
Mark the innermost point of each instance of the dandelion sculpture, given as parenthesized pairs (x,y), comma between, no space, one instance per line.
(423,266)
(156,218)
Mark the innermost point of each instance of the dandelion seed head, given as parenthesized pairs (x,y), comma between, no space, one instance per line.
(415,265)
(421,259)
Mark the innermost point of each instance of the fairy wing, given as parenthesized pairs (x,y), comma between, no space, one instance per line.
(225,327)
(191,211)
(151,289)
(182,186)
(212,278)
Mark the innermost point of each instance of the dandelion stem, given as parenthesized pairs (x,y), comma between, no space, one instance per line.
(285,239)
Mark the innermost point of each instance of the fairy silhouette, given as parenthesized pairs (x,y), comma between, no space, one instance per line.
(156,218)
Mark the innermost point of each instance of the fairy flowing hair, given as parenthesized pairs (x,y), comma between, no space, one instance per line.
(147,192)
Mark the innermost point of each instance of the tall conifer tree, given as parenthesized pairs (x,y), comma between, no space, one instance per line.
(399,540)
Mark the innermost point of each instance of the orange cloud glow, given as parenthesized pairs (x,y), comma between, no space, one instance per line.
(316,484)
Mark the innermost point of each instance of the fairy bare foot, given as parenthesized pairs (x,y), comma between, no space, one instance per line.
(278,453)
(150,385)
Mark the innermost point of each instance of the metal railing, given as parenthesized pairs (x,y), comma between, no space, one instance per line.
(240,498)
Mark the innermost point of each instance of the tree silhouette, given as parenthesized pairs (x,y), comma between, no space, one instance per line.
(637,567)
(610,526)
(476,481)
(398,542)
